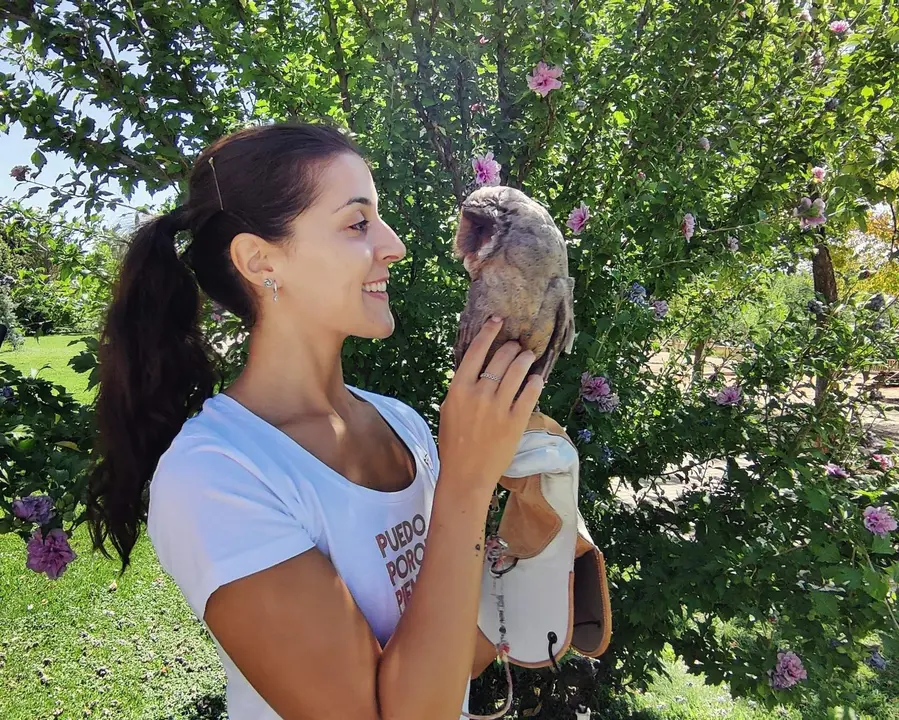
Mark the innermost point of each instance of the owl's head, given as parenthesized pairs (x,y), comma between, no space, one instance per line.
(495,216)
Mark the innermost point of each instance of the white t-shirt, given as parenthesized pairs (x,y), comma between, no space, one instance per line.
(234,495)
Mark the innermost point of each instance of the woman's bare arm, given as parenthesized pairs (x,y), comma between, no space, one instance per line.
(298,637)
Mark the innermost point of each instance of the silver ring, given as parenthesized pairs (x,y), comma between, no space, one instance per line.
(490,376)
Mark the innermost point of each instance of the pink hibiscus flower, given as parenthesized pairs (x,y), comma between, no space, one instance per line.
(545,78)
(577,218)
(688,225)
(839,26)
(486,169)
(50,555)
(879,520)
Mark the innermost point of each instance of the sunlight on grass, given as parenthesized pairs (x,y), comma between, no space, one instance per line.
(75,644)
(53,351)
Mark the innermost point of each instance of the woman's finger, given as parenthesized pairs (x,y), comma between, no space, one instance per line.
(474,357)
(527,401)
(514,377)
(501,361)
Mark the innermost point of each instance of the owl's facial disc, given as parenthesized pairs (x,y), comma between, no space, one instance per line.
(475,231)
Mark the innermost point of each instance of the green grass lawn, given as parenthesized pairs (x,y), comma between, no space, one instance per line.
(78,646)
(91,645)
(48,357)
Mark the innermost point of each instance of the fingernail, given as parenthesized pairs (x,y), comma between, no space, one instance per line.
(496,319)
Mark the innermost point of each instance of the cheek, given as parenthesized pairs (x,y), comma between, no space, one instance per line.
(334,277)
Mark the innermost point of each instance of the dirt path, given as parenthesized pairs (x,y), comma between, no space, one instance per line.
(709,474)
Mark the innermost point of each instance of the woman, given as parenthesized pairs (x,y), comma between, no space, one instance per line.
(291,509)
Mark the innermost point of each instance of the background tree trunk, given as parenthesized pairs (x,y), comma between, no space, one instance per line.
(826,286)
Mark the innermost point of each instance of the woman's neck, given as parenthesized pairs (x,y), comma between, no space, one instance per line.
(289,378)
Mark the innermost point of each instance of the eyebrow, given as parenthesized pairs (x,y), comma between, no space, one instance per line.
(353,201)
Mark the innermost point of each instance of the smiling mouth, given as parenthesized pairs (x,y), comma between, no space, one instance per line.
(378,289)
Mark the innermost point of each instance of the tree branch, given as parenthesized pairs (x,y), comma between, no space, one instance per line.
(340,63)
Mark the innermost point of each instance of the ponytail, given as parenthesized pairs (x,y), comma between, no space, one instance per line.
(155,372)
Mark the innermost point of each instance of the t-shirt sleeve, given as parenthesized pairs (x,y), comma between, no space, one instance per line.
(212,519)
(431,446)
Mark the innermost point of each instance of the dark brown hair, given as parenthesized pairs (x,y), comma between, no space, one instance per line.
(155,365)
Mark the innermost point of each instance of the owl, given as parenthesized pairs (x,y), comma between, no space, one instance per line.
(518,265)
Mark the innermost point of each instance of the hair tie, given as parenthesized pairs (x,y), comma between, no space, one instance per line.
(176,220)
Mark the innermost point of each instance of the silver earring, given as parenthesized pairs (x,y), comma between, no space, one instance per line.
(269,283)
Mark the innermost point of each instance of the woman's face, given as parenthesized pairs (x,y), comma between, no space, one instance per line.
(333,269)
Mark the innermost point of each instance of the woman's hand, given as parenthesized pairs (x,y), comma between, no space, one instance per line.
(481,422)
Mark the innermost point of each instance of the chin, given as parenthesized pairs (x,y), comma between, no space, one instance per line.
(377,331)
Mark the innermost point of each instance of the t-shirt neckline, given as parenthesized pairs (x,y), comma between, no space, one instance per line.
(386,496)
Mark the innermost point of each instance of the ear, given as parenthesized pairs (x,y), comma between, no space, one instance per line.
(250,256)
(477,223)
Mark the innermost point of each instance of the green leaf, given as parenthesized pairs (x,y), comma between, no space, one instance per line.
(38,159)
(877,585)
(826,604)
(817,499)
(882,545)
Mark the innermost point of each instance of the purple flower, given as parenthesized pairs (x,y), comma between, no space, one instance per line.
(788,672)
(637,293)
(876,661)
(605,455)
(486,169)
(818,174)
(545,78)
(50,555)
(839,26)
(805,15)
(34,508)
(687,226)
(585,435)
(835,471)
(879,520)
(730,395)
(577,218)
(810,213)
(8,394)
(597,390)
(20,173)
(733,244)
(580,104)
(659,309)
(885,461)
(704,143)
(218,312)
(641,175)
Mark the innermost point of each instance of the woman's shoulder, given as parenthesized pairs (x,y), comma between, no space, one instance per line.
(212,447)
(404,412)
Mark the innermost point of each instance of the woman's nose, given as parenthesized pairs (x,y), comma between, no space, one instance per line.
(390,247)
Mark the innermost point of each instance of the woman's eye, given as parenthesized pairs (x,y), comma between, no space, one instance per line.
(360,226)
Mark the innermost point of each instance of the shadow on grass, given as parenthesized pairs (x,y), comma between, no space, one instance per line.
(207,707)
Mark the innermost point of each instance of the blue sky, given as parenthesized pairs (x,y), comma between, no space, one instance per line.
(16,149)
